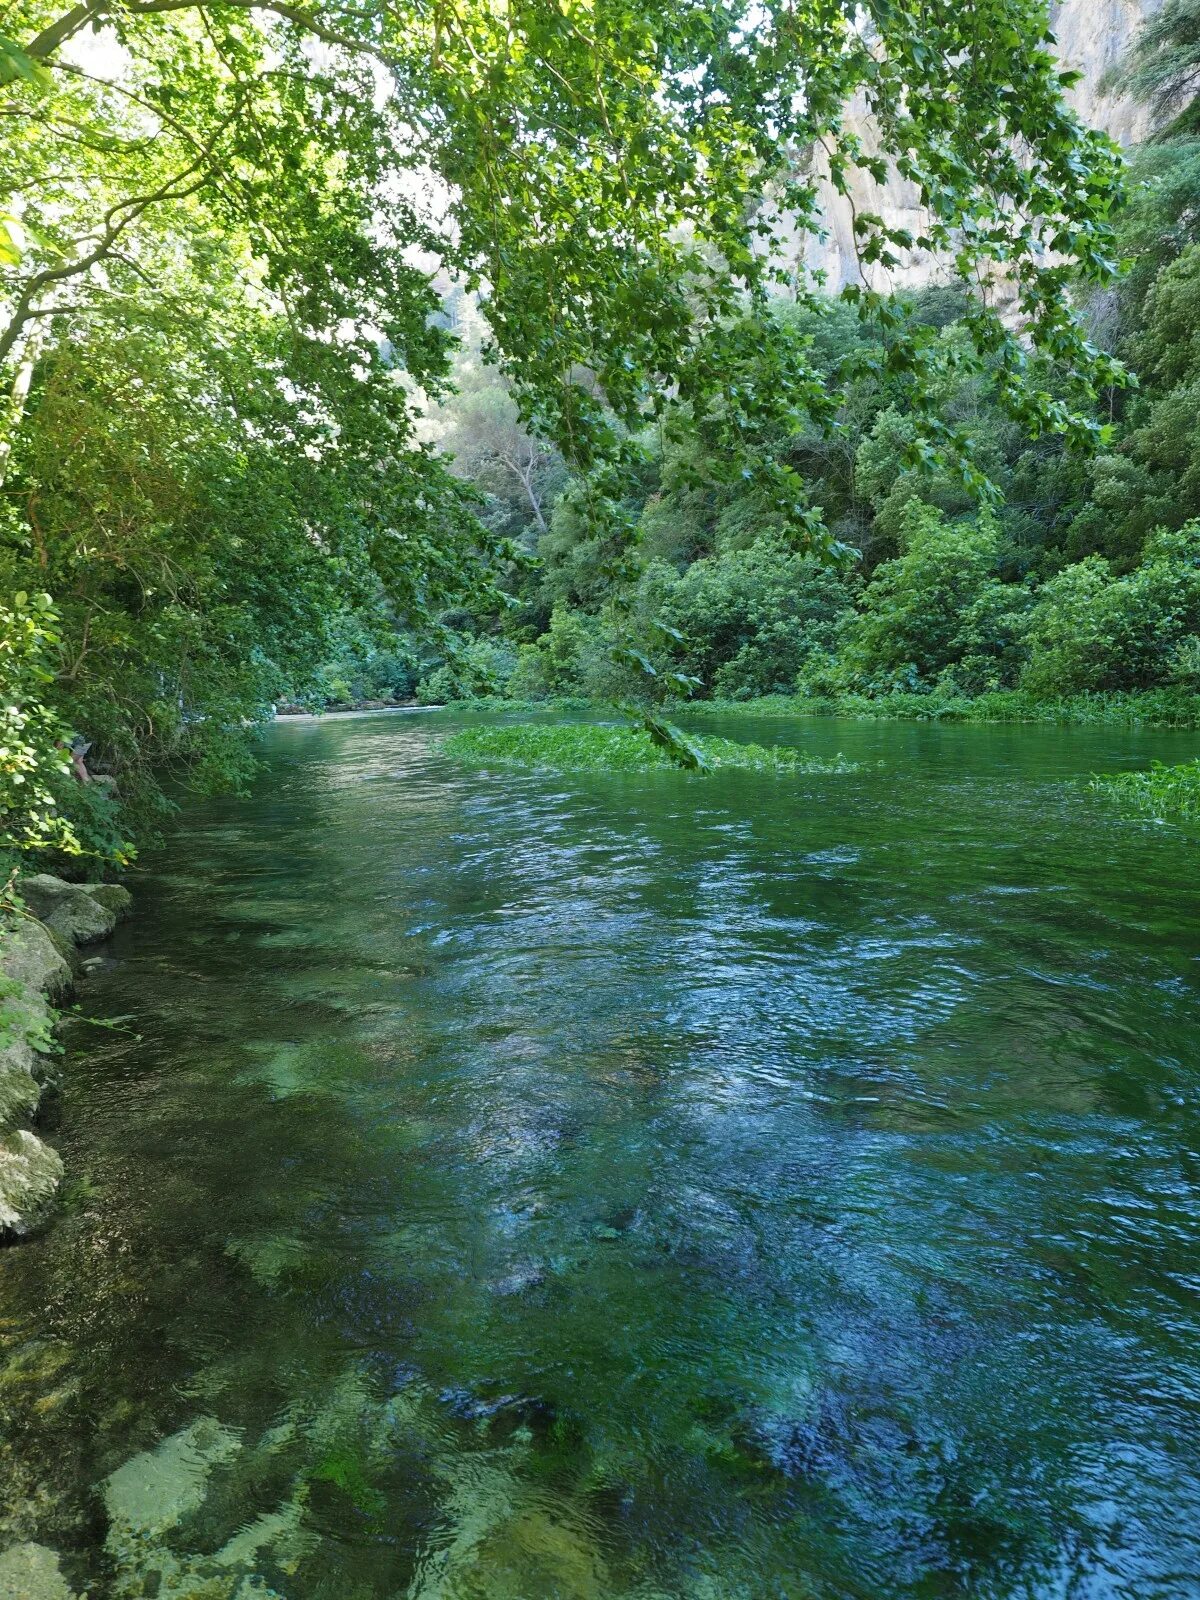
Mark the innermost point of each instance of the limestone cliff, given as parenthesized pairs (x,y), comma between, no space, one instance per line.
(1092,37)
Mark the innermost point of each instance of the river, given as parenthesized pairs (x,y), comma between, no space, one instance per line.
(503,1186)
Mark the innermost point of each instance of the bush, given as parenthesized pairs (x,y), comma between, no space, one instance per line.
(477,670)
(937,614)
(554,665)
(753,619)
(43,807)
(1091,631)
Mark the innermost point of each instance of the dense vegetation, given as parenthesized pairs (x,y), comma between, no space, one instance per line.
(241,241)
(1080,576)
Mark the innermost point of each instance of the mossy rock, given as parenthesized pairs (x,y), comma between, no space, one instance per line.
(30,1173)
(32,958)
(68,909)
(113,897)
(31,1572)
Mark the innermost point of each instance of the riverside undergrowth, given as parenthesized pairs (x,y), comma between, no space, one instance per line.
(1154,708)
(582,747)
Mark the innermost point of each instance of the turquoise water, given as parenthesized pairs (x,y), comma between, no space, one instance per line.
(631,1187)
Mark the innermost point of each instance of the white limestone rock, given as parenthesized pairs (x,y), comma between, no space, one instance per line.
(30,1173)
(31,1572)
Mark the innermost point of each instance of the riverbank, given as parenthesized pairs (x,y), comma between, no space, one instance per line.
(39,964)
(1151,708)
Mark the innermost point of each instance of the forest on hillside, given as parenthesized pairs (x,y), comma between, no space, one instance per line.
(1038,568)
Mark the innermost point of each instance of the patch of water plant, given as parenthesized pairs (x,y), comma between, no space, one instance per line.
(590,746)
(1162,791)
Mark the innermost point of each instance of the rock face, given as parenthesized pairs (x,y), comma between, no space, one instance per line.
(1092,36)
(31,1572)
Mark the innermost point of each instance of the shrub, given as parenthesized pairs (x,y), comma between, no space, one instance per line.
(939,612)
(554,665)
(42,806)
(477,669)
(1091,631)
(753,619)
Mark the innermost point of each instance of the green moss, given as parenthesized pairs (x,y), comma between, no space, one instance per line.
(1163,791)
(594,747)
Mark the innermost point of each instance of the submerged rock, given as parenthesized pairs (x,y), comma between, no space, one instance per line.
(501,1544)
(31,1572)
(154,1491)
(30,1173)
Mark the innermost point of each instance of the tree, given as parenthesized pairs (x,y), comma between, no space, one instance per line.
(612,173)
(479,428)
(939,611)
(1163,66)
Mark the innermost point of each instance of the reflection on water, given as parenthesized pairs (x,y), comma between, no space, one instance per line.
(631,1188)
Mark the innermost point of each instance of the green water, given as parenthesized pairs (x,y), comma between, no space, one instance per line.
(632,1187)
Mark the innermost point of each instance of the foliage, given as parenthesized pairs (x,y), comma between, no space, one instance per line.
(473,670)
(1163,791)
(751,620)
(937,612)
(1163,66)
(1091,631)
(33,754)
(1157,708)
(582,747)
(42,807)
(230,232)
(478,426)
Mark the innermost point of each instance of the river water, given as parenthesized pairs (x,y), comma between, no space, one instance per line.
(503,1186)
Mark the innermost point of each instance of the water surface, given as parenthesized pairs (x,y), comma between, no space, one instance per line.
(631,1187)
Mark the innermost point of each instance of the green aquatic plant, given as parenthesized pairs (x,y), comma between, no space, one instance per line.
(346,1471)
(1162,791)
(596,747)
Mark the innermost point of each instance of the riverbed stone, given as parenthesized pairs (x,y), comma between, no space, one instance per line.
(31,1572)
(155,1490)
(67,908)
(30,1173)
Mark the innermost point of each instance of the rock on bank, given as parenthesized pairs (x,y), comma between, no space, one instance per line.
(37,964)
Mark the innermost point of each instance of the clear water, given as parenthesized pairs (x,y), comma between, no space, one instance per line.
(632,1187)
